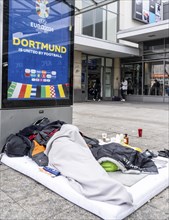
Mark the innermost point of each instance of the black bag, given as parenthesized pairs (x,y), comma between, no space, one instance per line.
(116,98)
(16,146)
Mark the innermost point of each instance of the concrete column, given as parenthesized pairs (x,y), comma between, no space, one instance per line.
(77,76)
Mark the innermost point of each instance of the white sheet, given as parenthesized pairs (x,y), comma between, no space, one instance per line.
(142,191)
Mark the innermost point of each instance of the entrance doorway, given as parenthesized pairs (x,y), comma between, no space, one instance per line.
(94,73)
(97,68)
(154,78)
(133,74)
(107,84)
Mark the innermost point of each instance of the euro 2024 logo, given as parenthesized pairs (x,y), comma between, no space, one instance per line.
(41,8)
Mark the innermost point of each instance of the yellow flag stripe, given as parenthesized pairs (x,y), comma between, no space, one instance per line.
(61,91)
(28,91)
(48,92)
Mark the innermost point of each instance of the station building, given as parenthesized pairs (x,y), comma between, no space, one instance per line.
(117,39)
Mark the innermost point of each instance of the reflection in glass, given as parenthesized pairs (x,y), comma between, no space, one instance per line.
(100,23)
(133,74)
(88,23)
(166,78)
(153,78)
(155,46)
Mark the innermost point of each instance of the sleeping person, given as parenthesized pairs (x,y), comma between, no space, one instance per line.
(68,152)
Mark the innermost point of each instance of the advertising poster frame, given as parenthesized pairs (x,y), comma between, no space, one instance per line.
(147,11)
(51,86)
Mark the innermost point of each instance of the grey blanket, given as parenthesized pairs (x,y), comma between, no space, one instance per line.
(68,152)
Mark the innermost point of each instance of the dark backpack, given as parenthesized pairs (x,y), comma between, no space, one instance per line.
(16,146)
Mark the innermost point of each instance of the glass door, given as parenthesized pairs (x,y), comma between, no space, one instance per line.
(107,84)
(133,74)
(166,78)
(94,73)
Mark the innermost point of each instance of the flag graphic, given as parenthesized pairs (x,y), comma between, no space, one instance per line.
(19,90)
(61,91)
(66,89)
(33,91)
(22,91)
(14,90)
(52,92)
(11,89)
(46,92)
(25,91)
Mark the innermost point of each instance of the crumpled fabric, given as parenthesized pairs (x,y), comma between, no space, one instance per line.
(68,152)
(127,159)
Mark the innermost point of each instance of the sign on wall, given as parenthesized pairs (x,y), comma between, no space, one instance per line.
(39,50)
(147,11)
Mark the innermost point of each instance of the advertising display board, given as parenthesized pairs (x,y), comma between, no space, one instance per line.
(147,11)
(37,53)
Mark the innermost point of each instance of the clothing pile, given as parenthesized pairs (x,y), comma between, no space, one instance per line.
(32,140)
(63,147)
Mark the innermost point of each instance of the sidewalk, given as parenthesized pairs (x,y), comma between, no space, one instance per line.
(23,198)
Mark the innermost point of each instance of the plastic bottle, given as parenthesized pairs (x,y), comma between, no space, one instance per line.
(126,139)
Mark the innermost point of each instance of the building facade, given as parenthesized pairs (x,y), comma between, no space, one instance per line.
(111,44)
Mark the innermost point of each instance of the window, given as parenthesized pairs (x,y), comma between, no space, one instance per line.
(153,78)
(167,44)
(166,78)
(155,46)
(88,23)
(101,22)
(133,74)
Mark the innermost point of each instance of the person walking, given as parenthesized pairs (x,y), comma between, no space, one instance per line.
(97,90)
(123,88)
(155,89)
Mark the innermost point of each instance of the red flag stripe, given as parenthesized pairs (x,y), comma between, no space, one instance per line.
(22,91)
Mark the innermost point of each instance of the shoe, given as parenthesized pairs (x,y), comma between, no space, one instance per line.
(99,100)
(163,153)
(149,154)
(123,100)
(94,100)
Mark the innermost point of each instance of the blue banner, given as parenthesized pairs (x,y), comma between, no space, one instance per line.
(39,50)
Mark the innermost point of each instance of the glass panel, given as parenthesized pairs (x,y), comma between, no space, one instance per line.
(137,79)
(153,78)
(94,73)
(111,27)
(78,4)
(107,91)
(107,83)
(84,71)
(154,56)
(167,44)
(88,23)
(99,23)
(108,62)
(98,1)
(154,46)
(112,7)
(166,79)
(87,3)
(133,74)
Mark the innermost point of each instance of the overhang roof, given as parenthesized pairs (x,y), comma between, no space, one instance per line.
(145,32)
(98,47)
